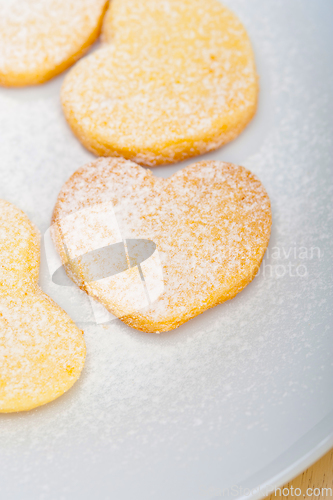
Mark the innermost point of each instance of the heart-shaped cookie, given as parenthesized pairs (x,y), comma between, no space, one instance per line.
(41,350)
(173,79)
(210,222)
(41,38)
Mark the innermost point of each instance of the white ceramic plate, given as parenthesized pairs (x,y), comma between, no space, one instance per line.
(242,395)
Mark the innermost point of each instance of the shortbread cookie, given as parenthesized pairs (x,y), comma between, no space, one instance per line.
(41,38)
(174,79)
(210,222)
(41,350)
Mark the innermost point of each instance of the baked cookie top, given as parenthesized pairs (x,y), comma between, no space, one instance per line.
(210,222)
(41,38)
(42,352)
(172,80)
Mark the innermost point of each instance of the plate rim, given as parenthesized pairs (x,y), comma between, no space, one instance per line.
(313,445)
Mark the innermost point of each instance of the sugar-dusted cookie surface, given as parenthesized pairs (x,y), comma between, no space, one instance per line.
(173,79)
(41,38)
(42,352)
(210,221)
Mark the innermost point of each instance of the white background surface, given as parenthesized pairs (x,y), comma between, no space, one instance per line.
(239,394)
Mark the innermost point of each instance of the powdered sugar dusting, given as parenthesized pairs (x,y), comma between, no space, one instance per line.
(40,38)
(211,221)
(172,80)
(41,350)
(190,413)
